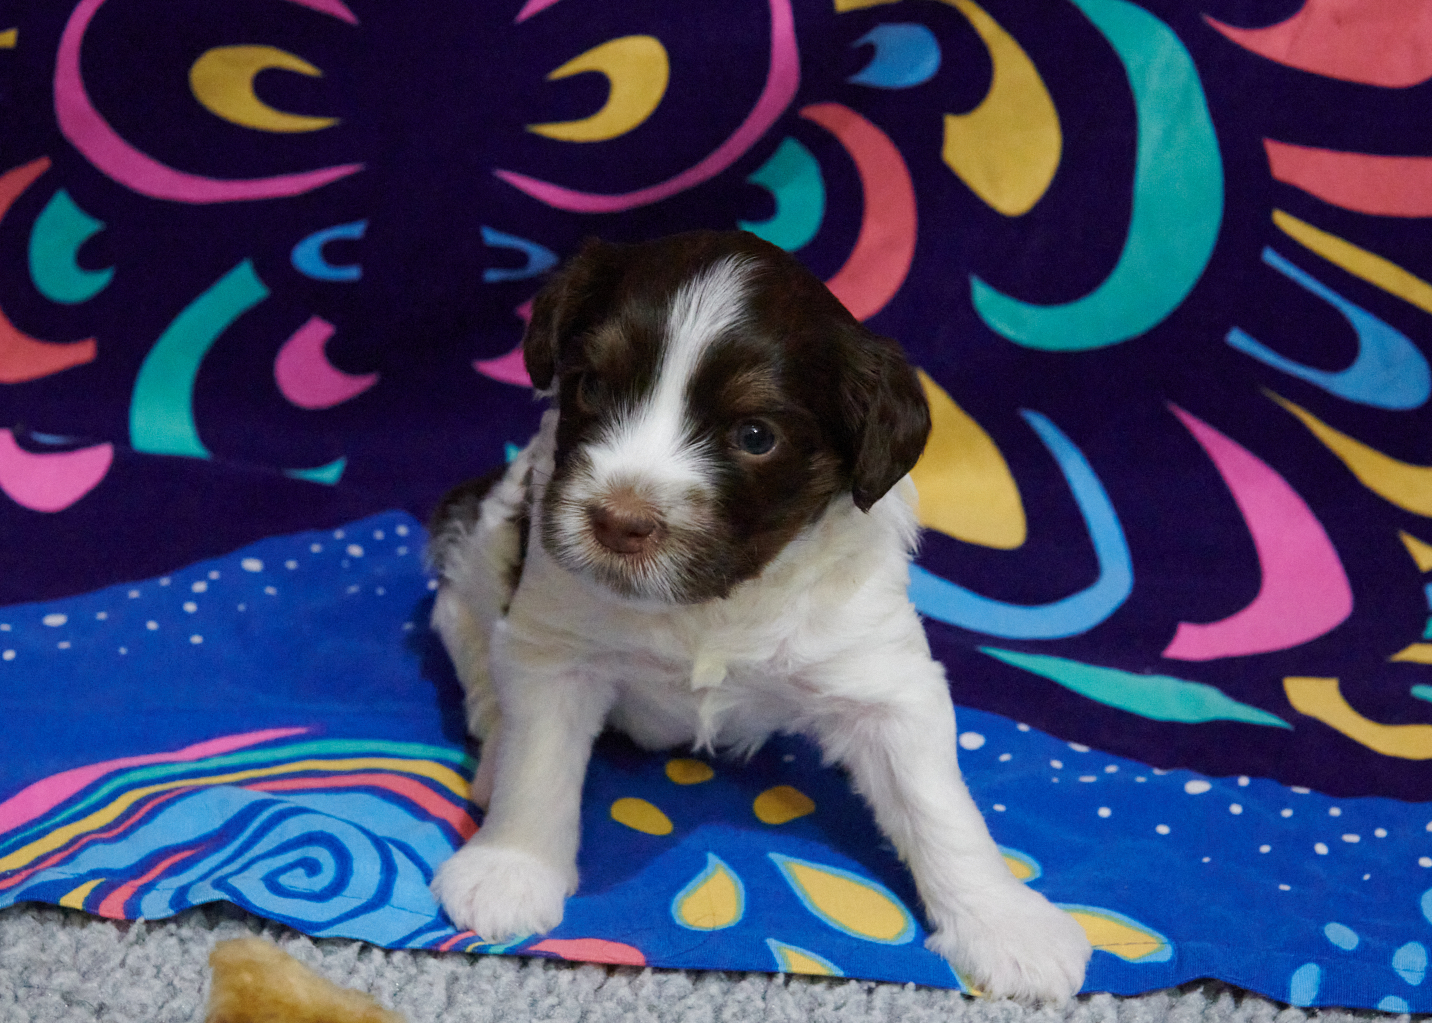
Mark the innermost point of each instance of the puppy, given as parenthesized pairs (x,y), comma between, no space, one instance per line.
(708,542)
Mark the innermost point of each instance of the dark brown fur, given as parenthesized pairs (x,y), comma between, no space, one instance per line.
(847,407)
(457,513)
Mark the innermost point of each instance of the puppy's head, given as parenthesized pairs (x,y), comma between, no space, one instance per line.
(714,398)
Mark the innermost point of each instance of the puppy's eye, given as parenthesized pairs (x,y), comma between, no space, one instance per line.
(754,437)
(591,391)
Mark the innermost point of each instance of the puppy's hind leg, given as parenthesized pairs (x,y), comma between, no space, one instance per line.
(477,541)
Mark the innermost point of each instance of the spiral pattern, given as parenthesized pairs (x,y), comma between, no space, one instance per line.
(304,833)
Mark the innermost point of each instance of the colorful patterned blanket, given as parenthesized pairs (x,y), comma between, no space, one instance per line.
(1164,266)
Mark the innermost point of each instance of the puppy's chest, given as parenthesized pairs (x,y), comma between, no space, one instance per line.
(682,678)
(715,697)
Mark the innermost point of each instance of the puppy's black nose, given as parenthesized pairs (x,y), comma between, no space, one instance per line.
(627,527)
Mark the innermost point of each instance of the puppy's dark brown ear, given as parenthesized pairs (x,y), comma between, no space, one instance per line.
(886,412)
(565,306)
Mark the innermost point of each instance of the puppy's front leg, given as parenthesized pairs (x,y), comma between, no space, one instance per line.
(513,877)
(898,744)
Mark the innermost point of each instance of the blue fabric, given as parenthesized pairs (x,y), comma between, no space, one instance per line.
(341,787)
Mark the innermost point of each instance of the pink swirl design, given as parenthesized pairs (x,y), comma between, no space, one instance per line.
(88,131)
(885,247)
(1387,43)
(1304,592)
(510,368)
(532,7)
(23,357)
(50,481)
(1383,186)
(783,78)
(591,950)
(334,8)
(306,377)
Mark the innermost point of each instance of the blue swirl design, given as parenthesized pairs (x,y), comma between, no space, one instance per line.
(335,837)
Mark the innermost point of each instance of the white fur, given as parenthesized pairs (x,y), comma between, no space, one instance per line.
(824,642)
(650,442)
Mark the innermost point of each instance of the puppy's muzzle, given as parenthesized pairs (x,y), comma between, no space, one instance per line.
(625,524)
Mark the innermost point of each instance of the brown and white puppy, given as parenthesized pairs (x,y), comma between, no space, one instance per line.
(706,543)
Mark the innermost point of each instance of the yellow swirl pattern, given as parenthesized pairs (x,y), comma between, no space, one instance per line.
(1007,148)
(1358,261)
(1421,551)
(222,79)
(1321,699)
(1023,866)
(966,488)
(636,69)
(790,959)
(1120,935)
(1404,484)
(75,898)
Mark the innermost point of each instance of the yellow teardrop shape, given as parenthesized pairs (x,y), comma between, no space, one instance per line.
(715,898)
(790,959)
(640,815)
(966,488)
(781,804)
(1123,936)
(689,772)
(848,902)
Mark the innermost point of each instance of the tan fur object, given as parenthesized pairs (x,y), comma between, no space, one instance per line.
(257,982)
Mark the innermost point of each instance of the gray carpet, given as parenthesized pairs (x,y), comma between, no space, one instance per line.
(60,965)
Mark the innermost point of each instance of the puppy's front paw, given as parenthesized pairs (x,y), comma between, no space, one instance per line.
(1016,945)
(500,893)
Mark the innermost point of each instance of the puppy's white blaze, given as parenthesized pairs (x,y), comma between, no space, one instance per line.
(652,441)
(703,309)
